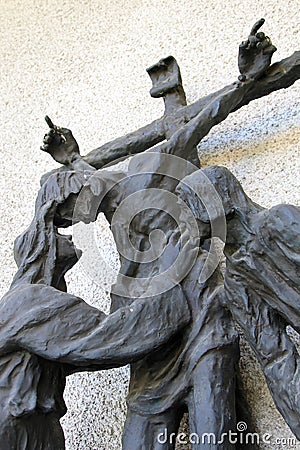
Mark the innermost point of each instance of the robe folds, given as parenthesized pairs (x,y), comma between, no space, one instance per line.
(263,295)
(46,335)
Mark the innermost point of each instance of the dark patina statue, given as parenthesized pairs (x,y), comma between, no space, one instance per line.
(172,316)
(47,334)
(262,288)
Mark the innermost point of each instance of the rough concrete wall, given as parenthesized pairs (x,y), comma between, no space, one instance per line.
(83,63)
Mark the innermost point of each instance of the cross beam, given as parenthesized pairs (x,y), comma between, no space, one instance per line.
(279,75)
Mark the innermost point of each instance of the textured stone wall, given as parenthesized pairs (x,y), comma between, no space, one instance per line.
(83,63)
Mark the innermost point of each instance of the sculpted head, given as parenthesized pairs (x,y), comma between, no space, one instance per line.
(217,198)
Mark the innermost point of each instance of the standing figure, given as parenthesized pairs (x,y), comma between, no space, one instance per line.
(199,371)
(47,334)
(262,249)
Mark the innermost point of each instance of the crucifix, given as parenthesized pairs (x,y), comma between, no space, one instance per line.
(159,392)
(167,83)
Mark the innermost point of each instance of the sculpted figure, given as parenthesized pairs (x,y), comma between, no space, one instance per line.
(262,249)
(47,334)
(198,371)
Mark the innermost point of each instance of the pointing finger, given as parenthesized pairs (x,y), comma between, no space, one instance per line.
(256,27)
(49,122)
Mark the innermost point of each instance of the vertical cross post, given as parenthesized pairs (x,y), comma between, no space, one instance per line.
(167,83)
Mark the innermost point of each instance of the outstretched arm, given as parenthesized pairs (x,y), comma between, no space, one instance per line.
(62,146)
(63,328)
(280,75)
(130,144)
(189,136)
(254,58)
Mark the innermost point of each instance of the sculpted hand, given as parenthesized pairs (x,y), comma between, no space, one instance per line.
(60,144)
(255,54)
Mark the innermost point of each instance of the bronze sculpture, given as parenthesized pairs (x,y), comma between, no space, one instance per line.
(47,334)
(261,279)
(154,395)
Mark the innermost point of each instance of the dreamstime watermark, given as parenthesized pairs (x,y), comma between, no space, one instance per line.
(154,227)
(240,436)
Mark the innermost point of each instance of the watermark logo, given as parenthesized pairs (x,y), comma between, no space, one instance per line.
(239,436)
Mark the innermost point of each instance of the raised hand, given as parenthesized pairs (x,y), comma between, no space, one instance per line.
(60,144)
(255,54)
